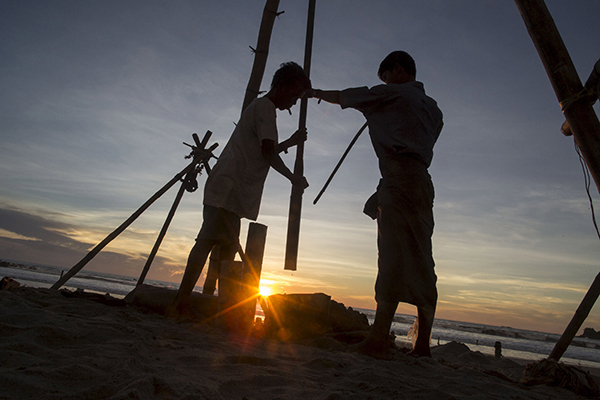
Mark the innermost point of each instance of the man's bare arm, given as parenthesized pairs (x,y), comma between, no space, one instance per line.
(270,154)
(294,140)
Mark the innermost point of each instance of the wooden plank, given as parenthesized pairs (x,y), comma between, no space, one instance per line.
(293,232)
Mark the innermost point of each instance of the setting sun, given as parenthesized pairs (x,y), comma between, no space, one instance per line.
(265,290)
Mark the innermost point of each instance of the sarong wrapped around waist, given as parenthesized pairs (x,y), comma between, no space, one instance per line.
(405,227)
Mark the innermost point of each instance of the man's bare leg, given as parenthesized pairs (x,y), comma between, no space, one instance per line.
(426,315)
(377,344)
(193,269)
(213,272)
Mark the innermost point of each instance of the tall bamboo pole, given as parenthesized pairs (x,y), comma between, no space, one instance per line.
(581,118)
(565,81)
(293,233)
(261,52)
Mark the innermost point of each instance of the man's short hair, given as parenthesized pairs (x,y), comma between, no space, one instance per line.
(290,73)
(398,57)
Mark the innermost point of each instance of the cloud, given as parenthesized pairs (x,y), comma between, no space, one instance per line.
(40,237)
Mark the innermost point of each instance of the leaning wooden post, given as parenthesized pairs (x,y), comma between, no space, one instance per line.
(580,315)
(261,52)
(77,267)
(579,114)
(161,235)
(565,81)
(293,233)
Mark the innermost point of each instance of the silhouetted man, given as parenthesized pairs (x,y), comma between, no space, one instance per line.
(404,124)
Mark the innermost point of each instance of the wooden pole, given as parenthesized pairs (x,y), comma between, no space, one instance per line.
(255,250)
(293,233)
(580,315)
(77,267)
(579,114)
(565,81)
(261,52)
(354,139)
(161,235)
(252,268)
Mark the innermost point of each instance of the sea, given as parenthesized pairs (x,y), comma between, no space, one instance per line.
(515,343)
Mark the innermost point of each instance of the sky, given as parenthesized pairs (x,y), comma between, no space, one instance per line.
(98,97)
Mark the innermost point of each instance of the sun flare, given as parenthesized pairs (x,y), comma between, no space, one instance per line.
(265,290)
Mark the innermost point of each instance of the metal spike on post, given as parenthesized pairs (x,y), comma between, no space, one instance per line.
(293,232)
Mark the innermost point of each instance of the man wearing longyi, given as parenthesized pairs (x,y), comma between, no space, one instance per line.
(404,124)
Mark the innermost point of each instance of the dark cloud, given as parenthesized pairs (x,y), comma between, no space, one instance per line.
(42,244)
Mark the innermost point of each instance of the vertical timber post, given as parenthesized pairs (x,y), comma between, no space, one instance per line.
(255,250)
(293,232)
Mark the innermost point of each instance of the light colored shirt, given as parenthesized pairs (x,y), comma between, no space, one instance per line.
(402,118)
(237,180)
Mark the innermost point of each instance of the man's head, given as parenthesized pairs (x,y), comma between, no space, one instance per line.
(289,84)
(398,65)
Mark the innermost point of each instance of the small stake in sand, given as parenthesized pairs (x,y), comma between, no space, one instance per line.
(581,118)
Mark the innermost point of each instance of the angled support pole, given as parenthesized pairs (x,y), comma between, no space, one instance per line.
(77,267)
(580,116)
(293,232)
(566,83)
(261,52)
(199,154)
(578,319)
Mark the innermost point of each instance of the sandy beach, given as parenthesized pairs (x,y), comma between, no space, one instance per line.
(54,347)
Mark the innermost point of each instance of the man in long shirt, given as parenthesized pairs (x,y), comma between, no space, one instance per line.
(234,187)
(404,124)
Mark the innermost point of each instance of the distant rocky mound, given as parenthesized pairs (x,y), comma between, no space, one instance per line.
(590,333)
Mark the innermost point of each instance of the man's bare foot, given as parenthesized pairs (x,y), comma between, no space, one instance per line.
(420,352)
(371,348)
(184,312)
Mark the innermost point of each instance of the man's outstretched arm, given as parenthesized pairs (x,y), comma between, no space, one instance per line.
(330,96)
